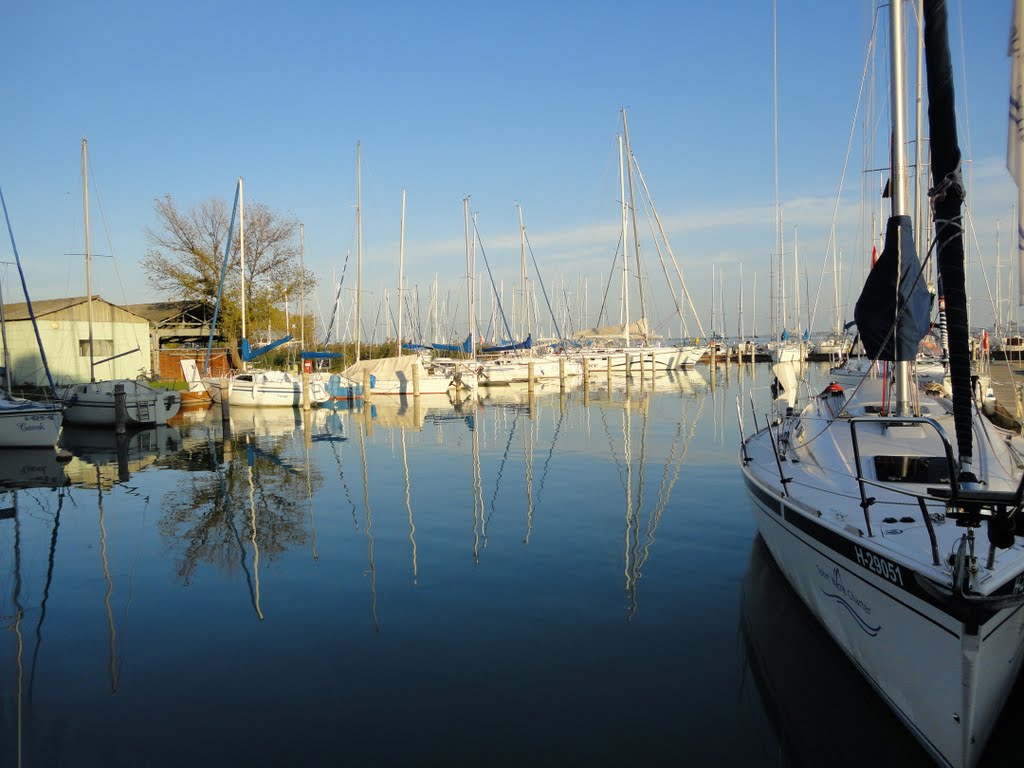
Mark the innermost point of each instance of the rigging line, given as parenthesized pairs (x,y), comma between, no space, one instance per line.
(846,159)
(608,285)
(542,288)
(487,264)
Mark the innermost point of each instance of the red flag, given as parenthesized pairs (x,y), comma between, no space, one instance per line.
(874,255)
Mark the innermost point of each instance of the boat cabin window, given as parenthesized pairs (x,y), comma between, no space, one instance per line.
(244,377)
(99,346)
(912,469)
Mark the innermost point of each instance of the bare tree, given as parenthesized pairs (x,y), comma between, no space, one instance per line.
(188,250)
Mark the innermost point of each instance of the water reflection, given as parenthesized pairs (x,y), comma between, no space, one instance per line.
(384,554)
(31,468)
(252,502)
(102,458)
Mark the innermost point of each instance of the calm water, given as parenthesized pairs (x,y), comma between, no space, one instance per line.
(576,582)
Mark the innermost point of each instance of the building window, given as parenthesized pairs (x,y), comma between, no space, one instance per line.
(101,347)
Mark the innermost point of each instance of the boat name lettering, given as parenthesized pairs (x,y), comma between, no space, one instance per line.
(835,580)
(30,427)
(884,568)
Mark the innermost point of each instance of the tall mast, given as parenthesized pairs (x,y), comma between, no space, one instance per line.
(796,277)
(469,276)
(899,168)
(625,250)
(241,255)
(88,259)
(632,204)
(302,291)
(359,247)
(780,319)
(401,267)
(783,313)
(524,320)
(739,320)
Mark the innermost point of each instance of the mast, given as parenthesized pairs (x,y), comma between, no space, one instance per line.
(401,266)
(359,247)
(469,276)
(524,320)
(88,260)
(632,205)
(898,184)
(780,321)
(241,256)
(625,239)
(302,291)
(796,277)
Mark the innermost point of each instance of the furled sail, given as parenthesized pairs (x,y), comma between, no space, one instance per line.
(893,315)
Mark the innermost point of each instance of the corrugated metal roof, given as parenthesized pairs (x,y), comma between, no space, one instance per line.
(19,311)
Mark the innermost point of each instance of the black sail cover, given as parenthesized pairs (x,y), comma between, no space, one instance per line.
(948,196)
(884,304)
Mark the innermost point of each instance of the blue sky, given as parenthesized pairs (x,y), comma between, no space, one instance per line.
(502,102)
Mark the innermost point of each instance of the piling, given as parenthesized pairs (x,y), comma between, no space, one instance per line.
(561,374)
(120,409)
(225,396)
(608,366)
(586,377)
(713,365)
(366,386)
(305,389)
(416,382)
(529,380)
(629,366)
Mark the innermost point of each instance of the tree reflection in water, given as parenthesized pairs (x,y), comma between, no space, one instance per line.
(212,515)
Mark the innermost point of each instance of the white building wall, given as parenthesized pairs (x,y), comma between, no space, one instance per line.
(61,339)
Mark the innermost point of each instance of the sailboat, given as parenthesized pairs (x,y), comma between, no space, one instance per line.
(897,520)
(402,374)
(93,403)
(25,423)
(516,362)
(632,344)
(257,388)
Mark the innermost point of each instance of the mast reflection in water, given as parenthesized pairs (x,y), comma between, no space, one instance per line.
(507,580)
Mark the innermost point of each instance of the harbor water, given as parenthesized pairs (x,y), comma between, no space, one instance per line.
(572,578)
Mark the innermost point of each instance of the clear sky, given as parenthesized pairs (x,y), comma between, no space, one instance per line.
(505,102)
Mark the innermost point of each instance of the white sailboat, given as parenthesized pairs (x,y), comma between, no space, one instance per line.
(92,403)
(615,347)
(517,365)
(400,374)
(898,520)
(24,423)
(258,387)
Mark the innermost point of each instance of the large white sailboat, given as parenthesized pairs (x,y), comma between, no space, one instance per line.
(93,403)
(897,518)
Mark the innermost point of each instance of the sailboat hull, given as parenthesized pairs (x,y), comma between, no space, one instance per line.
(946,681)
(92,405)
(266,389)
(28,424)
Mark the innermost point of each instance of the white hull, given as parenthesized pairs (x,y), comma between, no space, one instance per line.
(28,424)
(923,662)
(649,358)
(266,389)
(516,370)
(787,352)
(876,589)
(429,385)
(92,405)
